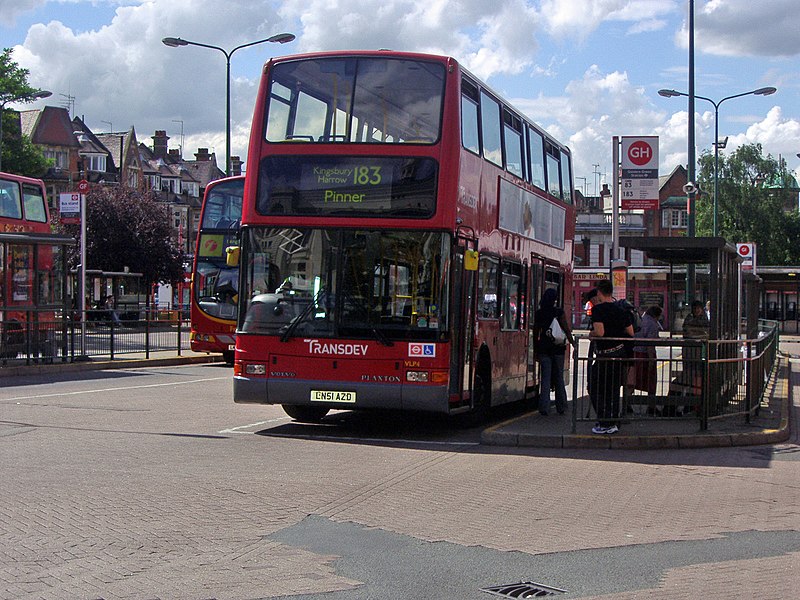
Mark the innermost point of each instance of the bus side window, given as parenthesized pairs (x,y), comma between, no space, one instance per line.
(34,204)
(488,271)
(9,200)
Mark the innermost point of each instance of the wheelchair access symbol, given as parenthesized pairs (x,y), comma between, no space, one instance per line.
(418,350)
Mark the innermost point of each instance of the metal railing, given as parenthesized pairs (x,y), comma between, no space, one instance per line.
(36,340)
(674,378)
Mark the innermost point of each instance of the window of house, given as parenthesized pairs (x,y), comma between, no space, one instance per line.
(674,218)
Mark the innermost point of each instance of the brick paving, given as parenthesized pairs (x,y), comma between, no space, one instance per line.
(103,498)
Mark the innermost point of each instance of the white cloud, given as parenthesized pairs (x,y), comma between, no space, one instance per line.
(746,28)
(11,9)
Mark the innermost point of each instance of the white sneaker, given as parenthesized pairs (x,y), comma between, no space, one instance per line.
(599,429)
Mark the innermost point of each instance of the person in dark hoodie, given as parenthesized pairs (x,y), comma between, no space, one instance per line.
(550,351)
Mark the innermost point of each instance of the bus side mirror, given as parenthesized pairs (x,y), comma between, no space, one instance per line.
(471,260)
(232,256)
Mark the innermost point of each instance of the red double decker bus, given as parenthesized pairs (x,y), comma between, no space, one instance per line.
(214,283)
(400,223)
(32,270)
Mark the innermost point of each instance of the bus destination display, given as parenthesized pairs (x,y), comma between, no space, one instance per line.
(348,186)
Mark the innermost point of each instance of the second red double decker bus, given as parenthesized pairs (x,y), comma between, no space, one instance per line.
(400,223)
(214,283)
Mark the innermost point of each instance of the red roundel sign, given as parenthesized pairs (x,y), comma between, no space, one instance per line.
(744,250)
(640,153)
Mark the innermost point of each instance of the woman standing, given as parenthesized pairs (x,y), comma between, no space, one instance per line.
(550,351)
(643,376)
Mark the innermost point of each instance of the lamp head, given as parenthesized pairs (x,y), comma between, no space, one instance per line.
(669,93)
(765,91)
(281,38)
(174,42)
(41,94)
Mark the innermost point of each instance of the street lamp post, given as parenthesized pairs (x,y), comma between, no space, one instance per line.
(765,91)
(280,38)
(37,95)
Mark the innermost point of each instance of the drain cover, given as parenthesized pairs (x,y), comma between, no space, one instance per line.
(524,589)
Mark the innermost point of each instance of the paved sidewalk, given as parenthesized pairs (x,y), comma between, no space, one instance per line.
(770,426)
(161,358)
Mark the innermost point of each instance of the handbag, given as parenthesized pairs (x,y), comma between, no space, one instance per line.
(556,334)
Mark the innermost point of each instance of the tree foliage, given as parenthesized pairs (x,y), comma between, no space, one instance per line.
(126,228)
(753,191)
(19,155)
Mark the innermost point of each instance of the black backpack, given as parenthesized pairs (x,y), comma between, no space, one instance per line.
(636,318)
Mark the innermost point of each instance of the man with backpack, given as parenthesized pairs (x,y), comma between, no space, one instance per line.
(610,324)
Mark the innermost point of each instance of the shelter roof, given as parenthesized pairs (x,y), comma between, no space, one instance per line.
(679,250)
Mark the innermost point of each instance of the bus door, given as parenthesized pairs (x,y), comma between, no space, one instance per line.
(462,322)
(535,291)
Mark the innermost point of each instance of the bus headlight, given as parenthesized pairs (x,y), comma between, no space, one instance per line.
(255,369)
(417,376)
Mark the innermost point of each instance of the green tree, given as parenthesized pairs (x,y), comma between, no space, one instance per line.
(126,228)
(753,191)
(17,154)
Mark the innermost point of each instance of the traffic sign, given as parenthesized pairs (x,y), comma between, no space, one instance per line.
(83,186)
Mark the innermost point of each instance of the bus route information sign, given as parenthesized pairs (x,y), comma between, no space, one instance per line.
(639,173)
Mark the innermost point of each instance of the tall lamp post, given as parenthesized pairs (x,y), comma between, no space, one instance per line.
(36,95)
(765,91)
(280,38)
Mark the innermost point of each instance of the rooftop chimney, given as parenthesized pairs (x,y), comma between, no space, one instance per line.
(202,155)
(160,143)
(236,165)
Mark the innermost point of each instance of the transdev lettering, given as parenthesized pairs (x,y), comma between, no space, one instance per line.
(317,347)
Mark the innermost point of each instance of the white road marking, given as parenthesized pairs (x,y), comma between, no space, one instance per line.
(113,389)
(251,425)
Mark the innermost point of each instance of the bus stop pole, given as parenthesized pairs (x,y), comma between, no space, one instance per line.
(82,296)
(615,200)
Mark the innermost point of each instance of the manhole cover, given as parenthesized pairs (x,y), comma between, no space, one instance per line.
(523,589)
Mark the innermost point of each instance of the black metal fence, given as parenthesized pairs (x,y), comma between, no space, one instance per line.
(36,340)
(675,378)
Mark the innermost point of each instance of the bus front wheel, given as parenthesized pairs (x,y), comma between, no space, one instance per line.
(305,414)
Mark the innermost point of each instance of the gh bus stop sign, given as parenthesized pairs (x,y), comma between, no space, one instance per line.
(639,173)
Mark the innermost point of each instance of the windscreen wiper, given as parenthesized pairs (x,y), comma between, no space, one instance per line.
(301,317)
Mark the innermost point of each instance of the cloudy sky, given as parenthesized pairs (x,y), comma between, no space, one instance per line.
(584,69)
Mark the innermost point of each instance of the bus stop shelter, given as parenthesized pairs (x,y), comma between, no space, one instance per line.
(718,262)
(733,294)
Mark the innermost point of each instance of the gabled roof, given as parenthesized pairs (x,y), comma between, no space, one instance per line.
(88,140)
(50,126)
(665,179)
(204,171)
(116,144)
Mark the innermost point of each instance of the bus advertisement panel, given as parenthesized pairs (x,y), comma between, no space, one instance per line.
(400,222)
(215,284)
